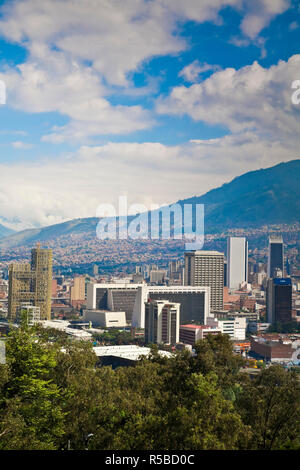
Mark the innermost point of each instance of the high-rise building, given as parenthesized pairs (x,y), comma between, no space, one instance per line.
(78,288)
(206,268)
(237,261)
(275,256)
(19,288)
(95,270)
(279,300)
(225,272)
(31,284)
(162,322)
(139,270)
(41,267)
(157,276)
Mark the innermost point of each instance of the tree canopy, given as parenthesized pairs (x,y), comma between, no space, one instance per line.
(53,395)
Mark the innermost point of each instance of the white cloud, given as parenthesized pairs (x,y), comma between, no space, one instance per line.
(114,36)
(192,71)
(260,13)
(51,81)
(21,145)
(78,51)
(251,98)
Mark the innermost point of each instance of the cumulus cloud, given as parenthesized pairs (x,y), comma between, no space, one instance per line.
(260,13)
(51,81)
(78,50)
(251,98)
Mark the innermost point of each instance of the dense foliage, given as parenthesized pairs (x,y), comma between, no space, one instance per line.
(53,396)
(116,337)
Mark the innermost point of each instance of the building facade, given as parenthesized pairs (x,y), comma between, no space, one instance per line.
(237,261)
(279,300)
(78,288)
(131,298)
(234,327)
(190,334)
(275,256)
(31,284)
(162,321)
(206,268)
(105,318)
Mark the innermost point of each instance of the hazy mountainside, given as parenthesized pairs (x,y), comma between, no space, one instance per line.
(263,197)
(31,236)
(4,231)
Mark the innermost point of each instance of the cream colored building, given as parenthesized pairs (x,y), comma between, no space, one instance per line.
(78,288)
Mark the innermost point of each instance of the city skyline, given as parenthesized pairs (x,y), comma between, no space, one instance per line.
(187,96)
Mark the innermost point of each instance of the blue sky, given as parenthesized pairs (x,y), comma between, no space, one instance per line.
(157,100)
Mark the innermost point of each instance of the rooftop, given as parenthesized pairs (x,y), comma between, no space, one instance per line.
(195,327)
(126,352)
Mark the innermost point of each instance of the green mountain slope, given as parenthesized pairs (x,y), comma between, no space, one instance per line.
(262,197)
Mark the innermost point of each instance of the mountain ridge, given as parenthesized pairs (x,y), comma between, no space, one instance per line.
(5,231)
(251,200)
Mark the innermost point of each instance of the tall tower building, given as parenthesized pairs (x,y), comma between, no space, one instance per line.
(275,257)
(237,261)
(162,322)
(19,288)
(95,270)
(78,289)
(31,284)
(41,267)
(206,268)
(279,300)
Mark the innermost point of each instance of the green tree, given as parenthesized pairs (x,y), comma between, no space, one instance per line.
(215,354)
(270,404)
(31,415)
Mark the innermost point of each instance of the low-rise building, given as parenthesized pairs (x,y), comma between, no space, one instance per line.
(126,355)
(190,334)
(234,327)
(273,351)
(105,318)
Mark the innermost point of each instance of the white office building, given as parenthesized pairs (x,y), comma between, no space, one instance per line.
(162,322)
(131,298)
(237,261)
(234,327)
